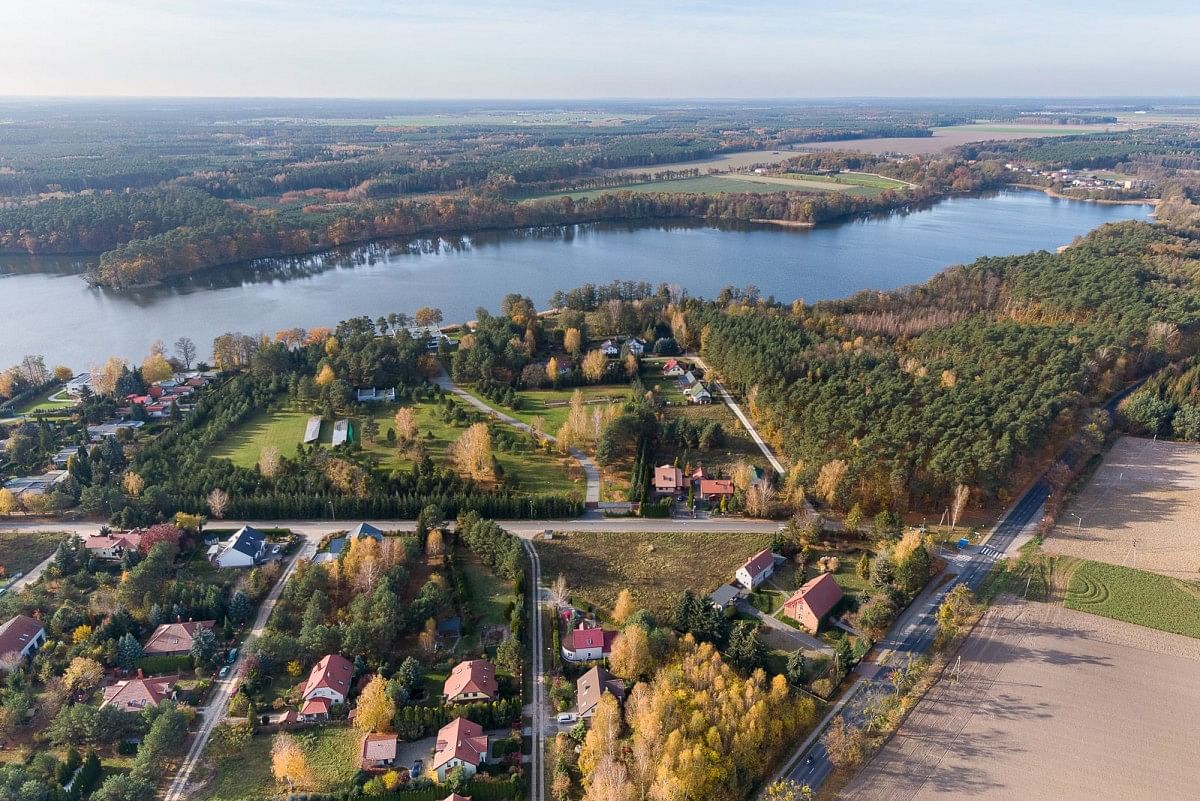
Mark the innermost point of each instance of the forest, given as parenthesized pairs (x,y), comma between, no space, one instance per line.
(893,400)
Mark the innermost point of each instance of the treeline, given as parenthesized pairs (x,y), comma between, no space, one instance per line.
(1010,354)
(1168,404)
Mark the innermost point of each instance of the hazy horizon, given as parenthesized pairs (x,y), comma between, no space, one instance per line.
(535,50)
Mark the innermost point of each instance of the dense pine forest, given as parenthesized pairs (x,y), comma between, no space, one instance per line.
(892,400)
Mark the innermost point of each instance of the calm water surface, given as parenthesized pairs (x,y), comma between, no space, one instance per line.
(46,308)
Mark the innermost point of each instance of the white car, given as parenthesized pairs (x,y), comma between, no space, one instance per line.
(567,717)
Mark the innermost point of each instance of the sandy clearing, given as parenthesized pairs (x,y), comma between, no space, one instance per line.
(1141,509)
(1049,704)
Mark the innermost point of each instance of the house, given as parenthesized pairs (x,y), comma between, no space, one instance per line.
(592,685)
(715,488)
(175,638)
(687,381)
(365,530)
(314,709)
(372,395)
(20,637)
(134,695)
(341,432)
(460,743)
(35,485)
(249,547)
(698,395)
(99,432)
(809,605)
(673,369)
(636,346)
(61,458)
(668,480)
(75,387)
(329,679)
(312,429)
(378,751)
(587,644)
(113,547)
(473,680)
(699,474)
(756,570)
(456,797)
(725,596)
(610,348)
(432,335)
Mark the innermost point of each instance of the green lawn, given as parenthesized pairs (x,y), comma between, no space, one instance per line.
(553,405)
(488,594)
(1135,596)
(332,756)
(55,402)
(21,551)
(656,568)
(853,179)
(284,429)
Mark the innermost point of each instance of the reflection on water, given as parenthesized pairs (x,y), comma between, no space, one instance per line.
(45,307)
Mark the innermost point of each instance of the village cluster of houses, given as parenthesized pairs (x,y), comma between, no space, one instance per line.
(692,388)
(586,641)
(809,606)
(156,403)
(670,482)
(1076,178)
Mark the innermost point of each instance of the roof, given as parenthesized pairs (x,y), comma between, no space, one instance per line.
(593,684)
(341,432)
(104,542)
(312,428)
(17,633)
(716,486)
(456,797)
(667,476)
(722,595)
(671,364)
(472,676)
(134,695)
(759,562)
(820,595)
(248,541)
(332,672)
(461,739)
(172,638)
(451,625)
(379,748)
(592,638)
(365,530)
(699,472)
(315,706)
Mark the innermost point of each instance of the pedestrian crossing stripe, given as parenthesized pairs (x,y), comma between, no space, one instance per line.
(988,550)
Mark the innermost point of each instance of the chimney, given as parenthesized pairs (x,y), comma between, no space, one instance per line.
(140,674)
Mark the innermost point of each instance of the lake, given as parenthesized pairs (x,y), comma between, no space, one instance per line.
(46,308)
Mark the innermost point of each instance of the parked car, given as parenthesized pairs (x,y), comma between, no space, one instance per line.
(232,657)
(223,672)
(416,769)
(567,717)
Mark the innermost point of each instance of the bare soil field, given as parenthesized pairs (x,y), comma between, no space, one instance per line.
(1049,703)
(1141,509)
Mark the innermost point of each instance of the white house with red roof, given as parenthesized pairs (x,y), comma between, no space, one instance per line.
(460,743)
(329,679)
(378,751)
(588,644)
(668,480)
(673,368)
(115,545)
(314,709)
(175,638)
(473,680)
(20,636)
(756,570)
(715,489)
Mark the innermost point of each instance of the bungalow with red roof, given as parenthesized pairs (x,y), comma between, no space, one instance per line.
(588,644)
(473,680)
(314,709)
(810,604)
(668,480)
(460,744)
(113,547)
(673,368)
(713,489)
(756,570)
(20,637)
(378,751)
(134,695)
(329,679)
(175,638)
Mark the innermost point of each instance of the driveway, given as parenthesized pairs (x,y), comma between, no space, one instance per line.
(780,635)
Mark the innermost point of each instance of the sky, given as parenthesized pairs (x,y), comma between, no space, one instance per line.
(523,49)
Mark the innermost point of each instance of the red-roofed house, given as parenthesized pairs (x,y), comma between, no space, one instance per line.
(473,680)
(134,695)
(699,473)
(668,480)
(378,751)
(460,743)
(315,709)
(673,368)
(20,637)
(329,678)
(758,568)
(175,638)
(715,488)
(113,547)
(811,603)
(587,644)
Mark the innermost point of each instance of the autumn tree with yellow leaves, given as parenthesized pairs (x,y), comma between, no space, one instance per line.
(375,708)
(473,453)
(289,765)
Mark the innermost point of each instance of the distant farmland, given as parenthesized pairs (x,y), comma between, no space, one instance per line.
(849,183)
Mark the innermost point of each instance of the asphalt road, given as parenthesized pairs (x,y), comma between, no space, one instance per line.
(914,633)
(539,716)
